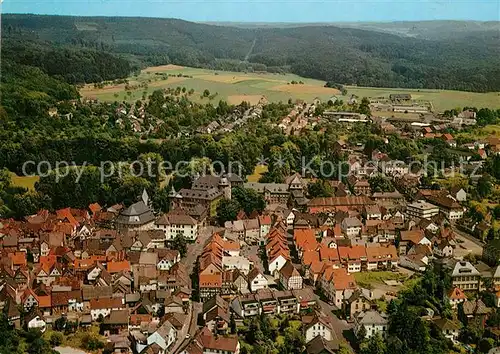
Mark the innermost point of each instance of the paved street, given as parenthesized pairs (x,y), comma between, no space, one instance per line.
(194,249)
(339,326)
(467,244)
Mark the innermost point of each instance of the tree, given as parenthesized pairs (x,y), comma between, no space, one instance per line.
(248,199)
(232,324)
(60,324)
(227,210)
(485,345)
(484,186)
(56,339)
(364,107)
(361,333)
(496,212)
(206,93)
(381,184)
(179,243)
(374,345)
(320,188)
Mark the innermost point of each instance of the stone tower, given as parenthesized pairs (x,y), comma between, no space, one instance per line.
(225,187)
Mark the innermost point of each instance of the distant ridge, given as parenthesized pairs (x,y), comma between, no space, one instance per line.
(459,55)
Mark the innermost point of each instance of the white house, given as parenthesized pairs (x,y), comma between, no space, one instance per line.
(417,262)
(351,227)
(443,249)
(456,296)
(236,262)
(163,336)
(104,306)
(449,328)
(319,326)
(395,167)
(289,216)
(175,223)
(459,194)
(276,263)
(372,321)
(257,280)
(265,225)
(94,272)
(36,321)
(167,259)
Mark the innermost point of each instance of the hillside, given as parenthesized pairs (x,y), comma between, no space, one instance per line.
(343,55)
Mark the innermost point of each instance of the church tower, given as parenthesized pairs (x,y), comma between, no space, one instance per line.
(225,187)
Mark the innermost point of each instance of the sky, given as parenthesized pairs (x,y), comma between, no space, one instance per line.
(268,10)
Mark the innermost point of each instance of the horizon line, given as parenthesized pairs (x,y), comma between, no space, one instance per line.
(249,22)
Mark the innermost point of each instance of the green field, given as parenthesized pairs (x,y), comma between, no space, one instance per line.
(441,99)
(368,279)
(235,87)
(27,182)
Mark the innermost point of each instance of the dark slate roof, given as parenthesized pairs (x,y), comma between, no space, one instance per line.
(136,214)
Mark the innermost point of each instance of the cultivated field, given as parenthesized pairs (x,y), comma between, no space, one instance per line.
(441,99)
(235,87)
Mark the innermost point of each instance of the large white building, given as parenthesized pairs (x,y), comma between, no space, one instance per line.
(421,209)
(373,322)
(176,223)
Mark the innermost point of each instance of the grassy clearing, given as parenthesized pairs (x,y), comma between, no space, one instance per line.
(367,279)
(74,340)
(27,182)
(481,132)
(236,86)
(381,305)
(257,173)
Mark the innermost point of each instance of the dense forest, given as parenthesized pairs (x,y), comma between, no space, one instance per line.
(73,64)
(343,55)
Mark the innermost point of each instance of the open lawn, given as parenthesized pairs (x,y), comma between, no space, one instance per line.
(237,86)
(368,279)
(27,182)
(257,173)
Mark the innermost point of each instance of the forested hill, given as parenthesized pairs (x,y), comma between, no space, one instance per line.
(342,55)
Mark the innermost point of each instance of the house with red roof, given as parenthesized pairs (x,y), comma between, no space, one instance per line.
(456,296)
(352,257)
(304,240)
(449,139)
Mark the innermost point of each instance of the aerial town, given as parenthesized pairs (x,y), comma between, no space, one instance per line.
(250,177)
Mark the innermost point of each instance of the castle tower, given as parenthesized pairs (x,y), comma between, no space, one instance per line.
(225,186)
(175,198)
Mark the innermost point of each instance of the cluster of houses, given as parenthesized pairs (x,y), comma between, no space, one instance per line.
(72,264)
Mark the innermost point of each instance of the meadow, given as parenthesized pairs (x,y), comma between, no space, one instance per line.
(235,87)
(27,182)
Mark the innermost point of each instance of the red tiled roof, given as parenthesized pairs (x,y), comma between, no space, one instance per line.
(95,207)
(457,294)
(352,252)
(18,258)
(343,280)
(328,254)
(305,239)
(44,301)
(106,303)
(210,280)
(265,220)
(310,257)
(115,267)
